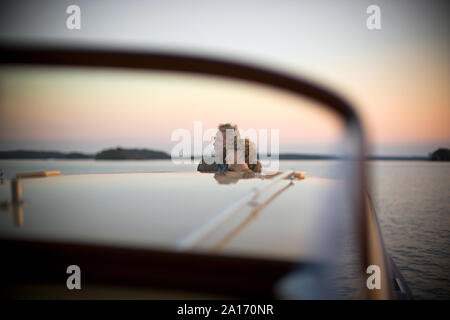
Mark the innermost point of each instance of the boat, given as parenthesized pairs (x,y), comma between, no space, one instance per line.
(284,235)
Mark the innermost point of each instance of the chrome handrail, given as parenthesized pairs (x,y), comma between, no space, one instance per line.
(195,236)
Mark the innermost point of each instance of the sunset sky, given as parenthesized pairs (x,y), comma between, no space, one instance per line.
(89,110)
(398,77)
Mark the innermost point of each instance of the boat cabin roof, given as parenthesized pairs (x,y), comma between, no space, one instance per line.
(161,210)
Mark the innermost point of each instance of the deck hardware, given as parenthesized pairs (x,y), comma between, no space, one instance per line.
(5,205)
(16,192)
(199,233)
(38,174)
(17,202)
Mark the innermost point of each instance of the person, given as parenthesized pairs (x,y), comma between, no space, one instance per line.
(220,147)
(243,157)
(238,155)
(251,156)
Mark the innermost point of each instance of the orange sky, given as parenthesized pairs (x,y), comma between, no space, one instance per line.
(397,77)
(87,110)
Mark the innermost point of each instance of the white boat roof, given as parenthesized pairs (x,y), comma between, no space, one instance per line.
(158,210)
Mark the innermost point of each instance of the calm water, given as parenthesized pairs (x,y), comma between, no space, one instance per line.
(412,200)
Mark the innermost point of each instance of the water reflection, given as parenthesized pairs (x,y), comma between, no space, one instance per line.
(18,214)
(17,204)
(233,177)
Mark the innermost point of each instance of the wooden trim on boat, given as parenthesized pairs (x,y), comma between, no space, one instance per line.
(38,263)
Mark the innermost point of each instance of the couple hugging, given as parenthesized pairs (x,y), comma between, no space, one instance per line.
(232,153)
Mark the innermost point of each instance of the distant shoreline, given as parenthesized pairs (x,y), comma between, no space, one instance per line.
(146,154)
(108,154)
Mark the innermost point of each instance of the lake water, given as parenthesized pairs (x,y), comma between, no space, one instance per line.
(412,200)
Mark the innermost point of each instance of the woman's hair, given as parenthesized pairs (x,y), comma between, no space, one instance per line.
(221,148)
(224,126)
(245,151)
(251,154)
